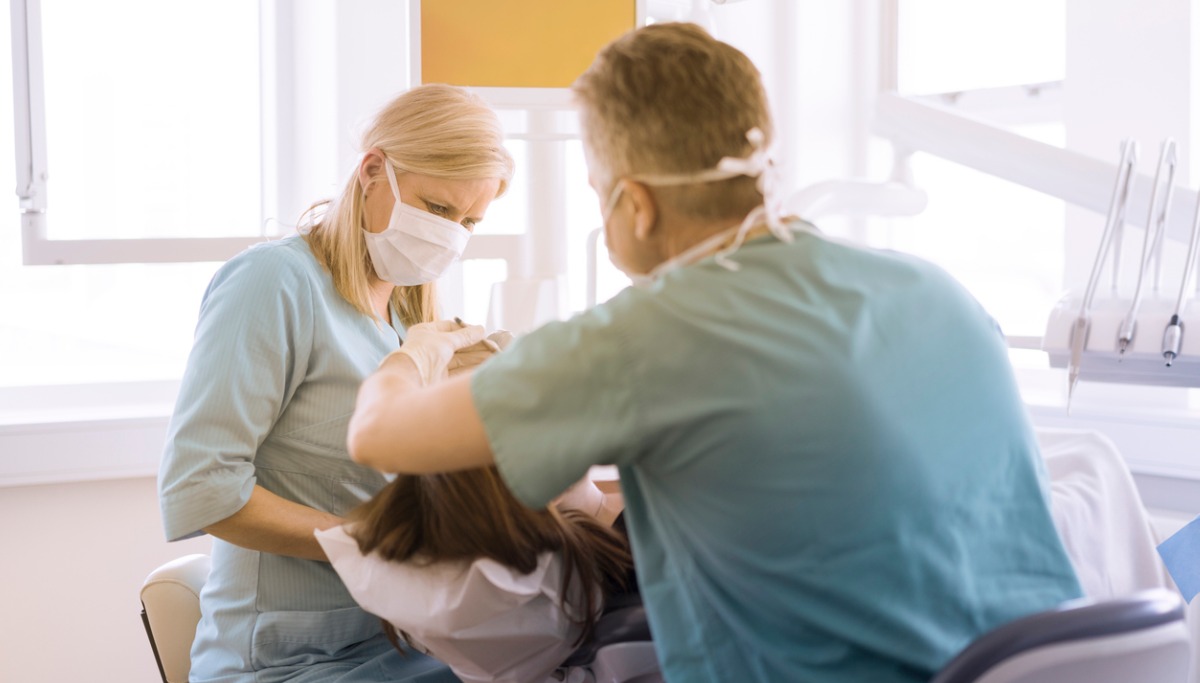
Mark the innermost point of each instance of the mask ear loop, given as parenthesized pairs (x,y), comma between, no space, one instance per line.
(391,176)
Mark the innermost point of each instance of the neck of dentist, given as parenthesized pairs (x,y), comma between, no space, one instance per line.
(670,240)
(680,241)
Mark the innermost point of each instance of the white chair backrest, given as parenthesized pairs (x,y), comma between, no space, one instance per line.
(171,609)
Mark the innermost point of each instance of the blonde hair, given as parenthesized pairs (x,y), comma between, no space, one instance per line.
(669,98)
(435,130)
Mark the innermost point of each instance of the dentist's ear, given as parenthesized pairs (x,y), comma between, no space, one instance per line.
(645,209)
(370,167)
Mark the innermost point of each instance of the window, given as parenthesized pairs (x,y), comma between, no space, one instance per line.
(178,131)
(149,132)
(102,156)
(166,156)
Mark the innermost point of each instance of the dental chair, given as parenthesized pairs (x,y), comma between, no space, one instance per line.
(170,611)
(621,649)
(1141,637)
(619,652)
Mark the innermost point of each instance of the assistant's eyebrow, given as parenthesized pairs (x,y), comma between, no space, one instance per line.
(450,208)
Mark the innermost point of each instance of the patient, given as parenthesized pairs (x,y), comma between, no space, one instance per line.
(456,566)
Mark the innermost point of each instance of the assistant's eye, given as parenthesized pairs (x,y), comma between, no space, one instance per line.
(436,209)
(470,223)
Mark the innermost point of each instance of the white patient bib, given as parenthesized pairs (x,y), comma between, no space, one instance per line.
(486,621)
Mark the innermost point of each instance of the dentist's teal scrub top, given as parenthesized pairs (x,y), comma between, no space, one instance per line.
(266,398)
(829,474)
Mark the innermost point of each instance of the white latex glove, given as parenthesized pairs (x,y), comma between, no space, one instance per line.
(470,357)
(432,346)
(583,495)
(501,338)
(587,498)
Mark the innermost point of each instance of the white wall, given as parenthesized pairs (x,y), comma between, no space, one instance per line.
(1132,62)
(75,556)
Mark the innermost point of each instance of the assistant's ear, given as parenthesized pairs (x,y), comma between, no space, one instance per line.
(645,209)
(370,167)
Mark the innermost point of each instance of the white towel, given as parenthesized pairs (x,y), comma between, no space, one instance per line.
(1100,515)
(1103,522)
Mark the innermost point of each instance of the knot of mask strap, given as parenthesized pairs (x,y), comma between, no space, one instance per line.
(760,166)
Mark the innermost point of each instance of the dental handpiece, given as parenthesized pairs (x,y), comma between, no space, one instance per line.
(1173,334)
(1172,339)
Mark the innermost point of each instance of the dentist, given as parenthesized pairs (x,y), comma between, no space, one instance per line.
(256,449)
(828,472)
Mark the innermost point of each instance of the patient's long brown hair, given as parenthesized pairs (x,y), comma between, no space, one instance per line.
(471,514)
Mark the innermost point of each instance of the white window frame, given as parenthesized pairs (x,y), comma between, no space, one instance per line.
(65,433)
(33,171)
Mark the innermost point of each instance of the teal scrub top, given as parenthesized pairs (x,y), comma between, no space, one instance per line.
(266,398)
(828,471)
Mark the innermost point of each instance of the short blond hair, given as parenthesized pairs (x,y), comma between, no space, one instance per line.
(435,130)
(670,99)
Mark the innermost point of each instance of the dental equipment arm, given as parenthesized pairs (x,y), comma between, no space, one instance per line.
(915,125)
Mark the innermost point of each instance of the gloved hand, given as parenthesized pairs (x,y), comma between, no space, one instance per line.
(583,495)
(501,338)
(472,356)
(588,498)
(432,346)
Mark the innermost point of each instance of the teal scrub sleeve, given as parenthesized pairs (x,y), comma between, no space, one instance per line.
(253,341)
(559,400)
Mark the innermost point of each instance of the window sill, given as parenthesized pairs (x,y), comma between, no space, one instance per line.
(83,433)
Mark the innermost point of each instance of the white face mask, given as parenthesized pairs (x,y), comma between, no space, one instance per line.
(417,246)
(757,165)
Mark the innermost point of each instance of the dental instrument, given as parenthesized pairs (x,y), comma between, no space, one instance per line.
(1160,204)
(1173,334)
(1116,216)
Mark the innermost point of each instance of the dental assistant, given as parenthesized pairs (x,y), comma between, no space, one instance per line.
(256,449)
(828,472)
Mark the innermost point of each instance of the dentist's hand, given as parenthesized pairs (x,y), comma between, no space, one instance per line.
(586,497)
(470,357)
(432,347)
(501,338)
